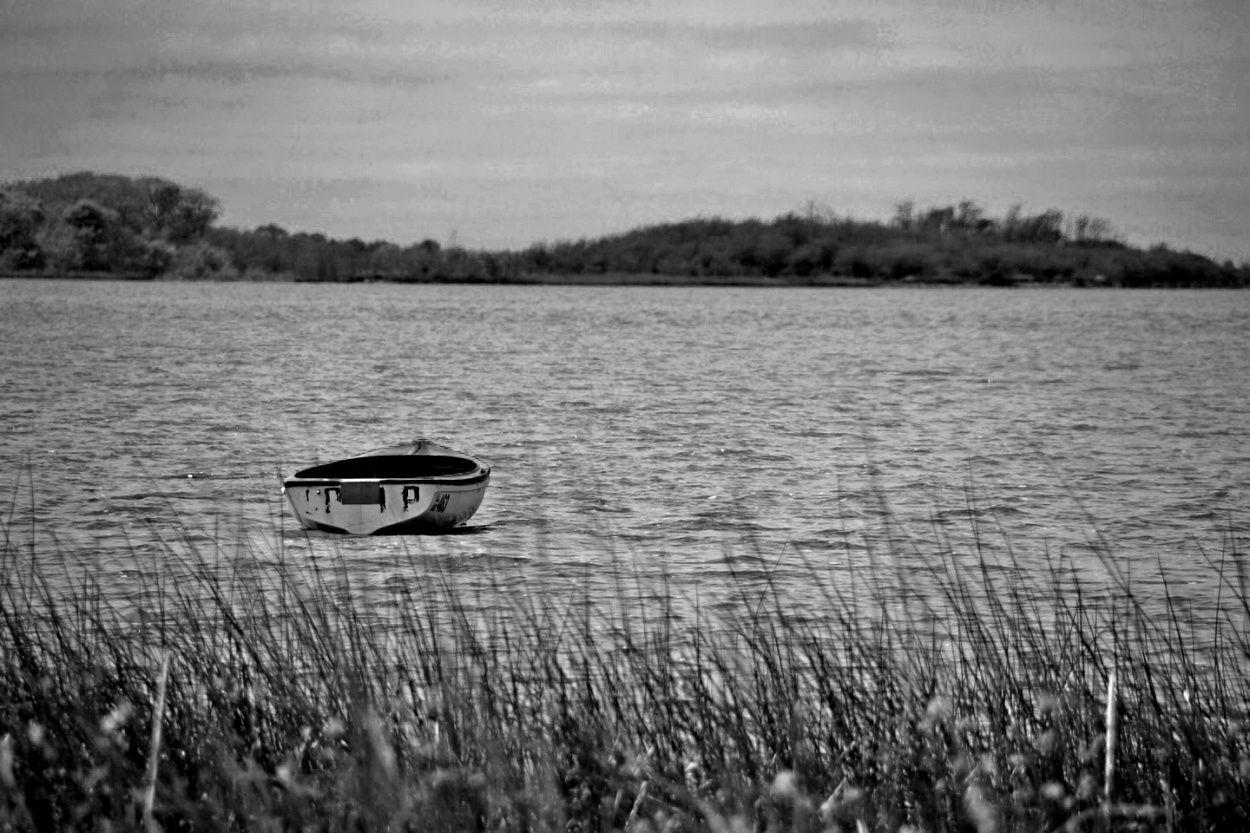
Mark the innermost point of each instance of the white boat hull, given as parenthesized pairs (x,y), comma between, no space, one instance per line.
(417,487)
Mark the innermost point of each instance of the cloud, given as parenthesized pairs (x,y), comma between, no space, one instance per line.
(562,118)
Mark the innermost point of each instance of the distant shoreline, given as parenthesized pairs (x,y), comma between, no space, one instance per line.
(635,280)
(93,226)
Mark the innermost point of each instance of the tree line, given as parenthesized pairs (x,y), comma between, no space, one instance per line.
(85,223)
(957,243)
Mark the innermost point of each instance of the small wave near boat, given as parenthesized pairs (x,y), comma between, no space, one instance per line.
(419,486)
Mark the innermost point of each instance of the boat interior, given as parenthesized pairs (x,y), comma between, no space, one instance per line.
(391,466)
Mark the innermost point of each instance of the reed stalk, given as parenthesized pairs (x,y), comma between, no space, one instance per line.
(154,747)
(1111,735)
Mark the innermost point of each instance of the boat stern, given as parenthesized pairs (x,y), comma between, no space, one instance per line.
(348,497)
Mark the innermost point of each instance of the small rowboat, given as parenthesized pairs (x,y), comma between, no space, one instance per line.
(415,487)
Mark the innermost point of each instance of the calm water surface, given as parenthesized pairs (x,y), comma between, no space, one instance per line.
(712,436)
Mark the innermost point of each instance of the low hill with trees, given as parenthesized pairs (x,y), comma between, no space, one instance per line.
(88,224)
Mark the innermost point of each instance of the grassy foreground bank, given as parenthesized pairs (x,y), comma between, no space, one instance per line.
(248,699)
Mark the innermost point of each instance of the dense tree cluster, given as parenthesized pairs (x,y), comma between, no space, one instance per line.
(90,223)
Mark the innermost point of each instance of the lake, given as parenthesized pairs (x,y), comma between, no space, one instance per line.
(712,439)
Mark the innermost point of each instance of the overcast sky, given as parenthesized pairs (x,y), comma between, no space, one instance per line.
(499,124)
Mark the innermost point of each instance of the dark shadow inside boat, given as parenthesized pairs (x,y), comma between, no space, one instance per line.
(391,466)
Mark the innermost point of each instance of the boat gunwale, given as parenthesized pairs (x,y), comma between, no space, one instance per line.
(466,479)
(455,465)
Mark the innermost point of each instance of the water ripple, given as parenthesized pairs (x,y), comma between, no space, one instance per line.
(632,429)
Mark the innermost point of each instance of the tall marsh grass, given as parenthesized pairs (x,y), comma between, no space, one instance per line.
(250,699)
